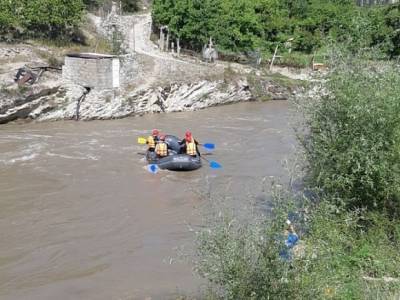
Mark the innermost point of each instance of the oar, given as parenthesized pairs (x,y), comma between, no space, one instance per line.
(212,164)
(153,168)
(141,140)
(208,146)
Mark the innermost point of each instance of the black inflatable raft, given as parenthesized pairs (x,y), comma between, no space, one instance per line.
(174,161)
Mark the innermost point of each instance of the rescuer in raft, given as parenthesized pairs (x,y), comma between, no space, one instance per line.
(161,147)
(189,145)
(152,140)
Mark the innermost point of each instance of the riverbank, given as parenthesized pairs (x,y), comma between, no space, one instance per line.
(345,211)
(182,88)
(151,81)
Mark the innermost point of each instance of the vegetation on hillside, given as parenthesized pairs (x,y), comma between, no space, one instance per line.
(126,5)
(349,223)
(39,18)
(241,26)
(49,19)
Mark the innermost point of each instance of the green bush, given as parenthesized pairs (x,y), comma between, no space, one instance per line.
(130,5)
(348,255)
(342,255)
(239,256)
(353,145)
(127,5)
(243,260)
(92,4)
(40,18)
(383,29)
(296,60)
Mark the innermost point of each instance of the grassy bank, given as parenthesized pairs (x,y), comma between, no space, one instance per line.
(348,224)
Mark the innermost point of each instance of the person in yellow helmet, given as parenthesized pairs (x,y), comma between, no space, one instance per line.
(161,147)
(189,145)
(152,140)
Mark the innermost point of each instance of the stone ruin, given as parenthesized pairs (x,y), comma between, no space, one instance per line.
(92,70)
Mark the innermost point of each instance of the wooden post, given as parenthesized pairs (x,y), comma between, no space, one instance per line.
(161,42)
(313,61)
(167,45)
(273,58)
(178,47)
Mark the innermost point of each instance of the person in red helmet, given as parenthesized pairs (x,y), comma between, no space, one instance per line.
(161,147)
(189,145)
(153,139)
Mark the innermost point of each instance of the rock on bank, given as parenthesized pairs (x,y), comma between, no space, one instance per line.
(69,101)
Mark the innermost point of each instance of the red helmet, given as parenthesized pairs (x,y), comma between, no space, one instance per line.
(162,137)
(155,132)
(188,135)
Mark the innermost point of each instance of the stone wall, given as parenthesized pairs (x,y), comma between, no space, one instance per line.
(92,70)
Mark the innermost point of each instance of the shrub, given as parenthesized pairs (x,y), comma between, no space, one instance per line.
(240,256)
(296,60)
(342,255)
(354,137)
(40,18)
(349,254)
(127,5)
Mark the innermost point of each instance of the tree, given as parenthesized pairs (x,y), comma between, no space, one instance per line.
(40,18)
(130,5)
(243,25)
(52,17)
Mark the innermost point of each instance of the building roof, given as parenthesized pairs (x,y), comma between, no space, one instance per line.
(91,55)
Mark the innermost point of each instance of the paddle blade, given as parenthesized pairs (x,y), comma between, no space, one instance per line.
(153,168)
(141,140)
(215,165)
(209,146)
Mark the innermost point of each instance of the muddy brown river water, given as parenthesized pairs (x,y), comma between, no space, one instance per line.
(82,218)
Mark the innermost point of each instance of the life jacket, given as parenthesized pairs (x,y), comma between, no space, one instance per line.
(162,149)
(191,148)
(151,142)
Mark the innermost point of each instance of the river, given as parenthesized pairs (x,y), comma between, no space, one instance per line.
(82,218)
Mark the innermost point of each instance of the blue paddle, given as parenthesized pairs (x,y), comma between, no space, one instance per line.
(208,146)
(153,168)
(212,164)
(215,165)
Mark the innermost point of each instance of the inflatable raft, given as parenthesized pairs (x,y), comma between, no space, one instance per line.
(174,161)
